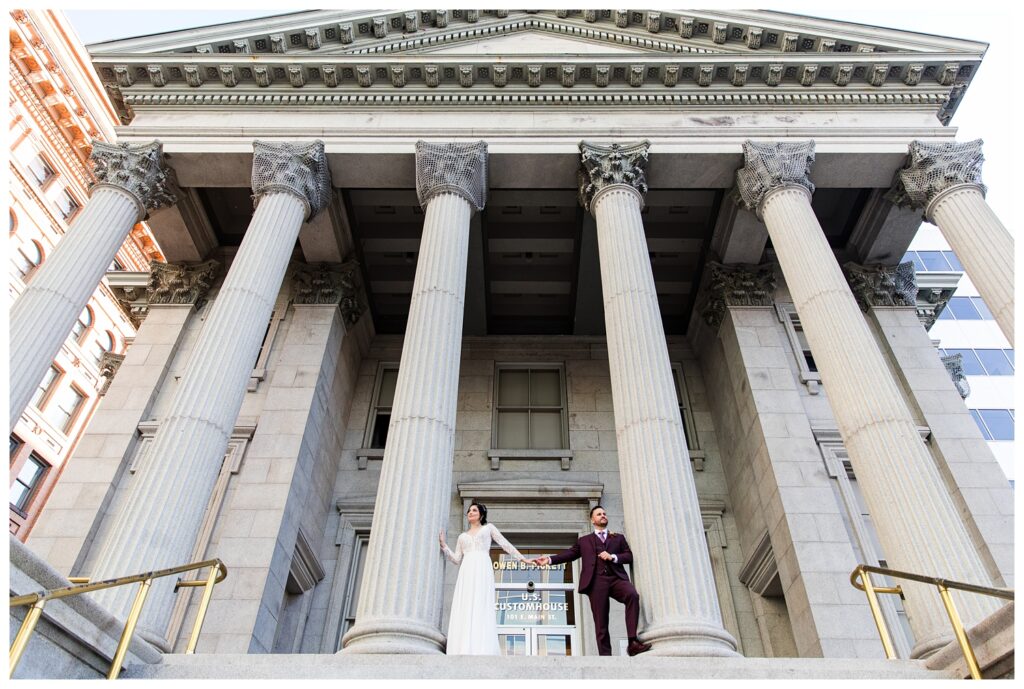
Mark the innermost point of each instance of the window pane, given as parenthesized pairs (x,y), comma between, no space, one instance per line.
(995,362)
(66,204)
(61,410)
(379,437)
(675,382)
(933,260)
(999,423)
(912,256)
(44,386)
(40,170)
(513,430)
(982,308)
(545,388)
(963,309)
(972,367)
(945,315)
(19,495)
(954,262)
(546,428)
(513,389)
(1009,355)
(15,444)
(981,424)
(388,381)
(30,472)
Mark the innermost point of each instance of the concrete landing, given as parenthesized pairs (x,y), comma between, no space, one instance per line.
(475,667)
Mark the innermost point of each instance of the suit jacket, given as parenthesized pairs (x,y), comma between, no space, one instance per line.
(586,550)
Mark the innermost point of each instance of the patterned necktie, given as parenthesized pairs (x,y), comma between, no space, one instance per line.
(601,535)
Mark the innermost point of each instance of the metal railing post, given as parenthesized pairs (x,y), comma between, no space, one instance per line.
(24,632)
(961,633)
(211,579)
(876,612)
(129,629)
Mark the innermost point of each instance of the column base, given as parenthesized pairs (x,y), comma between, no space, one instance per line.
(931,645)
(695,638)
(393,636)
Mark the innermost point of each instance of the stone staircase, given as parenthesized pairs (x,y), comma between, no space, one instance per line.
(240,666)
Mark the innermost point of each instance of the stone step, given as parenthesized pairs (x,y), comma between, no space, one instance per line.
(308,666)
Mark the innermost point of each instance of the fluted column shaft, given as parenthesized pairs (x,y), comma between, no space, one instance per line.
(45,312)
(917,522)
(158,524)
(666,531)
(400,602)
(983,245)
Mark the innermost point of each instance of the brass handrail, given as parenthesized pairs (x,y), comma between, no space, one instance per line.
(218,571)
(861,579)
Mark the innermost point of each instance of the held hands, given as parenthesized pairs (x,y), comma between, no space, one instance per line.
(604,555)
(444,545)
(542,560)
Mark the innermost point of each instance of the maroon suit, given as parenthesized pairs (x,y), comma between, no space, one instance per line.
(604,579)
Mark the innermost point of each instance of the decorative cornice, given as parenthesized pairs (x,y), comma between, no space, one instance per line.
(878,285)
(605,166)
(178,283)
(109,363)
(933,294)
(934,167)
(328,283)
(770,166)
(138,169)
(296,168)
(954,364)
(735,285)
(458,168)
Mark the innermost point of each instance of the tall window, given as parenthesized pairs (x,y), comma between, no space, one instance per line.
(27,482)
(355,582)
(380,409)
(82,324)
(529,407)
(64,407)
(66,204)
(790,320)
(46,387)
(27,258)
(689,428)
(41,170)
(15,445)
(995,424)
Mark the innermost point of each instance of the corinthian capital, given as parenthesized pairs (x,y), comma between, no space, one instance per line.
(934,167)
(735,285)
(771,166)
(176,283)
(954,364)
(604,166)
(138,169)
(878,285)
(330,284)
(452,168)
(295,168)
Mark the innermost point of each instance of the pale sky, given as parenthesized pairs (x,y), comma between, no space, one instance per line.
(986,111)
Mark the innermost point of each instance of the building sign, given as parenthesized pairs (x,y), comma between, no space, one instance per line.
(533,608)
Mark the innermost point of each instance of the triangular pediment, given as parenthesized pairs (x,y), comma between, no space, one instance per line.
(677,57)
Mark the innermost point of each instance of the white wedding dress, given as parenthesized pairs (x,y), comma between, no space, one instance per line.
(472,627)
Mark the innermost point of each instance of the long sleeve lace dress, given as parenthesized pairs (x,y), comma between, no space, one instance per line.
(472,626)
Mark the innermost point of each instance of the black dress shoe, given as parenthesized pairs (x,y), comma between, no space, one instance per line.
(636,647)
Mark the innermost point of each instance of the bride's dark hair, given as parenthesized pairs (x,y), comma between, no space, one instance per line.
(483,511)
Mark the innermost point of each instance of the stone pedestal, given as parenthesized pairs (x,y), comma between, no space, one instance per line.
(662,515)
(158,524)
(917,522)
(132,180)
(400,602)
(944,179)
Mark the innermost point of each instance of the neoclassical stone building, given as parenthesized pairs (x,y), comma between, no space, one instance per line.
(543,260)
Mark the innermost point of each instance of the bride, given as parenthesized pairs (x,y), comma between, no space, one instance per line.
(472,628)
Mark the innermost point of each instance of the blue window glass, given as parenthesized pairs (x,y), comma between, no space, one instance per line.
(972,366)
(946,314)
(982,309)
(963,309)
(999,422)
(912,256)
(995,362)
(933,260)
(981,424)
(954,262)
(1009,355)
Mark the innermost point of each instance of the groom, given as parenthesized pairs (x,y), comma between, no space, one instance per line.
(602,576)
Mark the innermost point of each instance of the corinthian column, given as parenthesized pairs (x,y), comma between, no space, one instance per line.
(132,179)
(400,602)
(158,524)
(666,531)
(945,180)
(917,522)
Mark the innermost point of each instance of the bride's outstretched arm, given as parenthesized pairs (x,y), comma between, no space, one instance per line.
(505,545)
(456,557)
